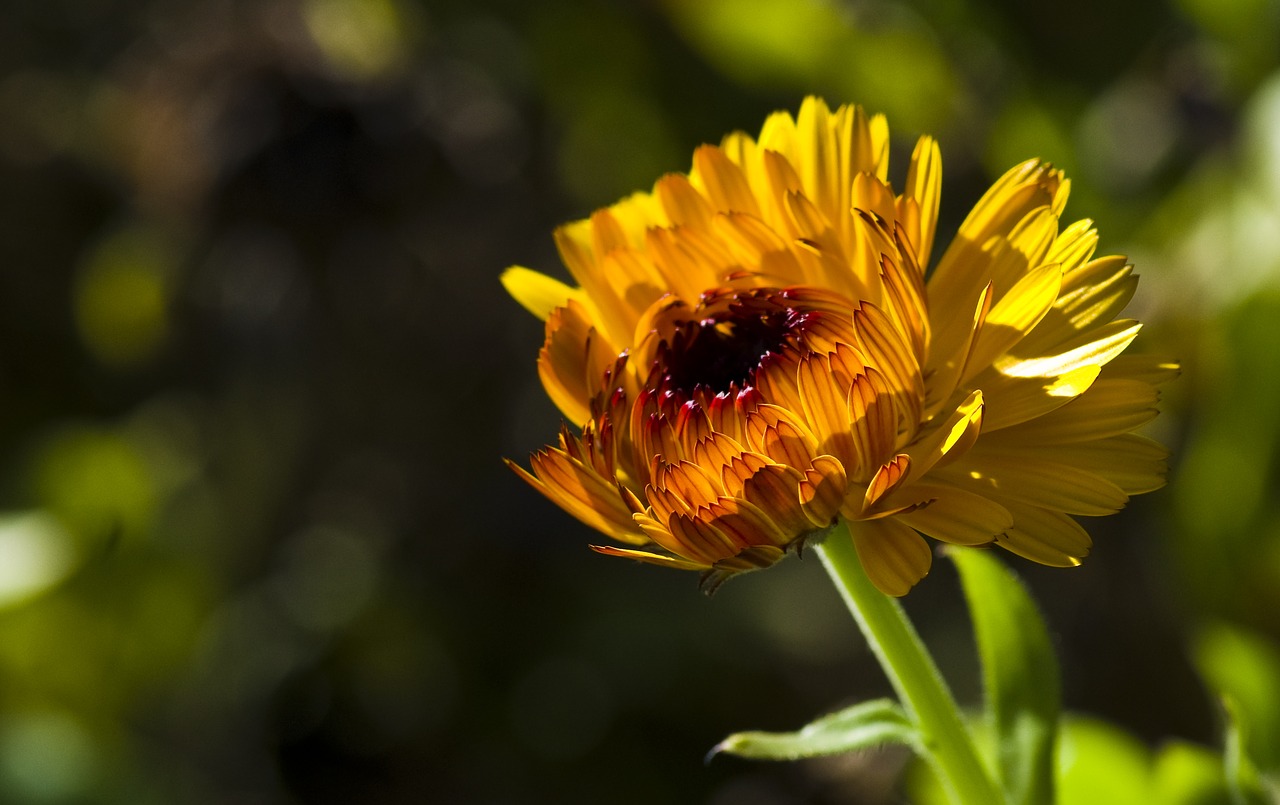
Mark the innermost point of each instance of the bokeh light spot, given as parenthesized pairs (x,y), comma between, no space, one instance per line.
(97,484)
(121,298)
(46,757)
(37,554)
(362,39)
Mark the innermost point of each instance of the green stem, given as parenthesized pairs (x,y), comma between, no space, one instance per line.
(915,677)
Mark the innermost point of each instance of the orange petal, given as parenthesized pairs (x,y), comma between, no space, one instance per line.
(886,479)
(573,361)
(826,409)
(579,490)
(823,490)
(651,558)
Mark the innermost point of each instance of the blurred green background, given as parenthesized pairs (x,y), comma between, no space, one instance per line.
(257,372)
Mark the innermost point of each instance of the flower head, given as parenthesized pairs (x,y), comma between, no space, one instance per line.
(753,351)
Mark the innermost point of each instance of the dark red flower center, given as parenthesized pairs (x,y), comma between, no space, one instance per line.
(721,352)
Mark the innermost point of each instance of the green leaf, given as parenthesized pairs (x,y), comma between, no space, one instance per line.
(1101,764)
(863,726)
(1020,675)
(1242,776)
(1244,666)
(1187,774)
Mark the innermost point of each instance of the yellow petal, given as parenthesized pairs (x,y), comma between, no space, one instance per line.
(1020,190)
(1035,481)
(1013,316)
(574,242)
(1044,536)
(723,181)
(1074,246)
(1108,408)
(877,144)
(817,158)
(894,556)
(773,490)
(885,349)
(1108,285)
(684,205)
(693,483)
(952,343)
(1153,369)
(953,515)
(778,134)
(782,180)
(904,297)
(1095,347)
(924,185)
(1014,400)
(873,196)
(573,360)
(956,435)
(688,261)
(538,293)
(1133,463)
(1031,239)
(966,265)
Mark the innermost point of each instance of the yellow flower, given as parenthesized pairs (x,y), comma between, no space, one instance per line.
(754,351)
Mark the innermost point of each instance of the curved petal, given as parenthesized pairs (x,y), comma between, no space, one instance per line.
(579,490)
(646,556)
(573,361)
(924,188)
(950,514)
(1048,537)
(894,556)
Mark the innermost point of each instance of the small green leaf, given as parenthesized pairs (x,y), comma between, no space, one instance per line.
(863,726)
(1187,774)
(1100,764)
(1020,675)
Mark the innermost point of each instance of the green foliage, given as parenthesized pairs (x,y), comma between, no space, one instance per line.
(1243,780)
(121,297)
(1187,774)
(1020,675)
(863,726)
(1100,764)
(1245,668)
(255,374)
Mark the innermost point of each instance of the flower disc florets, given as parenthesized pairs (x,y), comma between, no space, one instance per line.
(721,351)
(754,351)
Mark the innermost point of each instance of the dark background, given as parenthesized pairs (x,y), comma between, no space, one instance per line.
(257,374)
